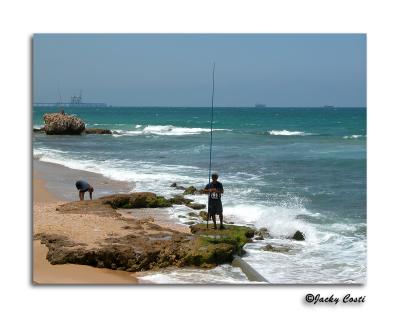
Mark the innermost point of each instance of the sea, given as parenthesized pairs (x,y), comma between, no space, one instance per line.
(284,169)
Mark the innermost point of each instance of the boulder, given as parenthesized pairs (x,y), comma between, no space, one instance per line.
(262,233)
(191,190)
(299,236)
(271,248)
(180,200)
(58,123)
(98,131)
(196,206)
(203,215)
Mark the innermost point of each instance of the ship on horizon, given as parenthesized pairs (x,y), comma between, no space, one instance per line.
(260,105)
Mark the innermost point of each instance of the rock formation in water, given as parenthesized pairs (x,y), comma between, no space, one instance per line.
(58,123)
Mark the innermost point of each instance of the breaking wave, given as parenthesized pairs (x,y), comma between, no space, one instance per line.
(163,130)
(288,133)
(354,136)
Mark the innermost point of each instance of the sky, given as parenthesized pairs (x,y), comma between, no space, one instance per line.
(278,70)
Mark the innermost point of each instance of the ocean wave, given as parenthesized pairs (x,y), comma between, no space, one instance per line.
(288,133)
(147,176)
(223,274)
(168,130)
(354,136)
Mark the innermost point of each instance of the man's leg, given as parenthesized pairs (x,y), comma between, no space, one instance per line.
(214,220)
(221,218)
(80,195)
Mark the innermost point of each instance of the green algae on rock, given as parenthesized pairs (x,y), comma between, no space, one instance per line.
(136,200)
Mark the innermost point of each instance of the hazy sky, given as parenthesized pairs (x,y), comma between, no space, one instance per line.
(175,70)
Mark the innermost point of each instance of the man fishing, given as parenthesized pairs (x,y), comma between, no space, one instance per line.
(84,187)
(215,190)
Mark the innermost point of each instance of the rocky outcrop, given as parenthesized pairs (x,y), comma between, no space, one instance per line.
(136,200)
(147,246)
(97,131)
(58,123)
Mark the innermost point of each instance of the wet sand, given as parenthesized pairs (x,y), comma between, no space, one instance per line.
(60,181)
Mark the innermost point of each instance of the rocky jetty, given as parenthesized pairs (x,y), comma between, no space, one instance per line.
(139,245)
(59,123)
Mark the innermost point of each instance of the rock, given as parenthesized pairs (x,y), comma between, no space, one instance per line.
(192,214)
(270,248)
(196,206)
(136,200)
(38,130)
(299,236)
(236,236)
(190,223)
(180,200)
(57,123)
(203,215)
(258,238)
(191,190)
(177,186)
(262,233)
(98,131)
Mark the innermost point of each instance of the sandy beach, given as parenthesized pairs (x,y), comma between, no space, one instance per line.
(47,219)
(86,229)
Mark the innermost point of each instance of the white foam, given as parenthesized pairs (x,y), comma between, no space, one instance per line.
(288,133)
(280,221)
(223,274)
(168,130)
(354,136)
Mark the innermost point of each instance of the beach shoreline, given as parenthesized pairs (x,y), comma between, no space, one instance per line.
(45,273)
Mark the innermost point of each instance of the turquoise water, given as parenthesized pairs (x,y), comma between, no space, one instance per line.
(282,168)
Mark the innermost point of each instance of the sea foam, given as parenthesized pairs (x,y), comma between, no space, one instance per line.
(288,133)
(168,130)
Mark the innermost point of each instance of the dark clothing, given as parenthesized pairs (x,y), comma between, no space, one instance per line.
(214,199)
(82,186)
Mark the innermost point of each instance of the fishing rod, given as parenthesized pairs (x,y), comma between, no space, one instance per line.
(211,141)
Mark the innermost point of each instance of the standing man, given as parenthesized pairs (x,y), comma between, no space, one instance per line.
(83,187)
(215,190)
